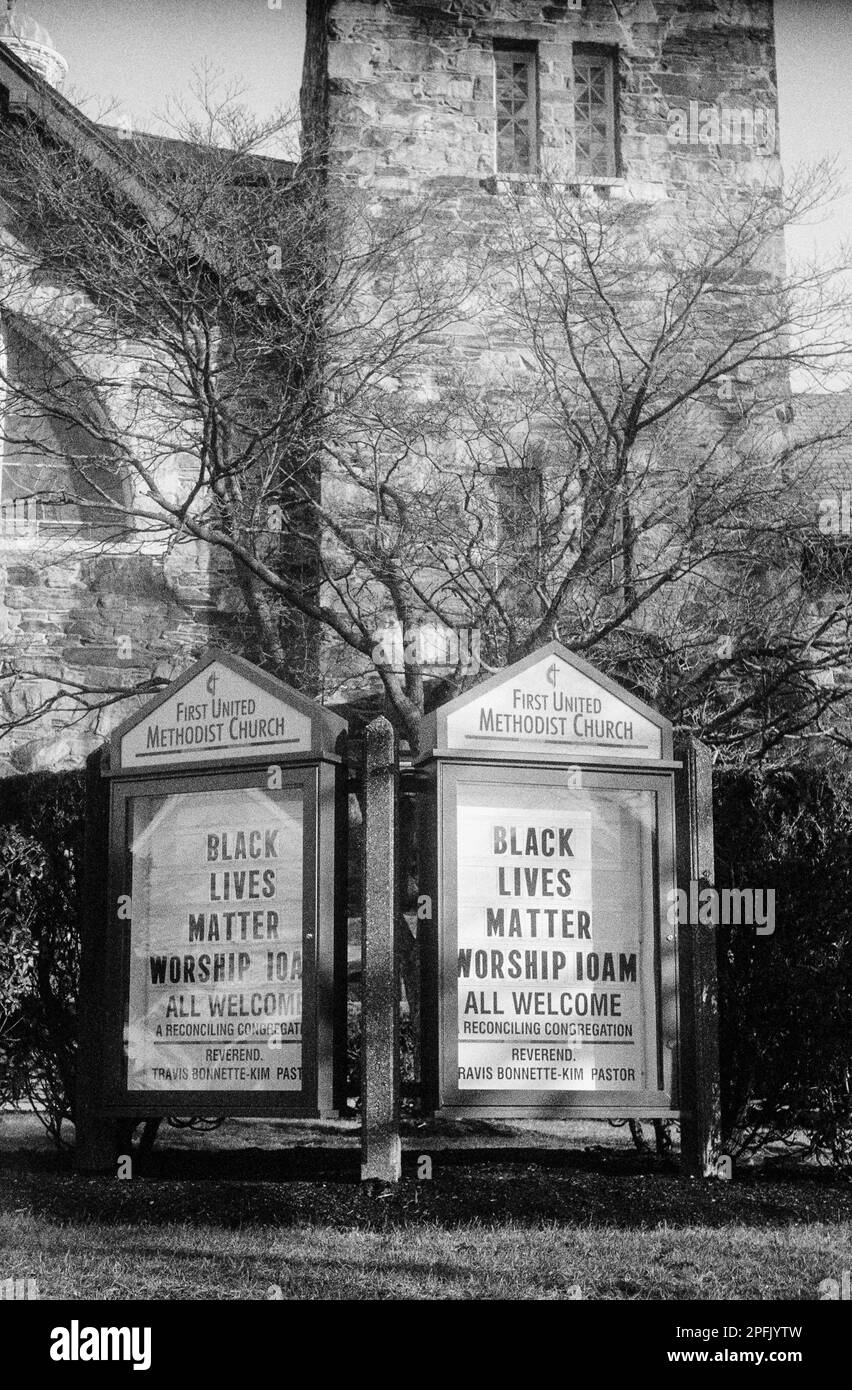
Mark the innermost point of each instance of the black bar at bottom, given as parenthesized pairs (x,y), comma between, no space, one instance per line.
(194,1339)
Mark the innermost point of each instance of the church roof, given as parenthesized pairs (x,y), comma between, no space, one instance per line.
(175,156)
(24,91)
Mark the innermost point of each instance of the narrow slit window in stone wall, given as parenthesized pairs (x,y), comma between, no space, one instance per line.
(515,93)
(596,153)
(519,498)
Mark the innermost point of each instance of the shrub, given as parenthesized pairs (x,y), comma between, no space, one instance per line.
(41,826)
(786,999)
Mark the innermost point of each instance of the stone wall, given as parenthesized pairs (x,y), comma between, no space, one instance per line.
(411,85)
(103,622)
(84,607)
(94,603)
(409,112)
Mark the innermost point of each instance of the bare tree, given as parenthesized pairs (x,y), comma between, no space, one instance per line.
(544,414)
(662,496)
(214,319)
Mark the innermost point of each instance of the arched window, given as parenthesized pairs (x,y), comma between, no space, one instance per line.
(55,474)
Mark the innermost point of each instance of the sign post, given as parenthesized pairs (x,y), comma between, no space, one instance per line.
(212,974)
(700,1131)
(381,1153)
(551,984)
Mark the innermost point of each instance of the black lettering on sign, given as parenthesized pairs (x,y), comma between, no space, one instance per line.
(547,843)
(235,885)
(242,844)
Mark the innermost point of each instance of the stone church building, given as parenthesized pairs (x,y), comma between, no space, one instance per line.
(643,102)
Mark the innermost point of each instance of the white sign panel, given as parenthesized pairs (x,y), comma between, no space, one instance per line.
(551,707)
(218,713)
(555,939)
(216,942)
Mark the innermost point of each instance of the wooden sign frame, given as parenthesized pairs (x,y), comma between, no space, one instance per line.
(448,768)
(318,773)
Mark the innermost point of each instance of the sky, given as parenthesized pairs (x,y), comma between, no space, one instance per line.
(814,53)
(142,52)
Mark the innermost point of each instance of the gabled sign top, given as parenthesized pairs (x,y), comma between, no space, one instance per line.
(552,704)
(223,709)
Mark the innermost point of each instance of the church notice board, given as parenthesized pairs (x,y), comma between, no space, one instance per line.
(221,939)
(550,968)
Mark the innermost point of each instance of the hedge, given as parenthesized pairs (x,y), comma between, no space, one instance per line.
(41,840)
(786,999)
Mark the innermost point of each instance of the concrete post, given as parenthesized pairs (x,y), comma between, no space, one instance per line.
(697,946)
(381,1157)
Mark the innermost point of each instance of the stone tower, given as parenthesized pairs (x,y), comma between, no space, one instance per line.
(645,96)
(31,42)
(471,106)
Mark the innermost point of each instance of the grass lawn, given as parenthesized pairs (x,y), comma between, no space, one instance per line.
(229,1220)
(150,1260)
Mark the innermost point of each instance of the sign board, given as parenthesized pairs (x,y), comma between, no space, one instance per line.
(554,705)
(216,952)
(214,948)
(221,710)
(555,952)
(551,973)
